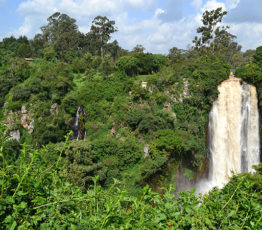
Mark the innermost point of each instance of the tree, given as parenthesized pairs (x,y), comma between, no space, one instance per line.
(258,56)
(62,33)
(114,49)
(24,50)
(12,44)
(216,38)
(100,33)
(37,44)
(210,28)
(138,49)
(176,55)
(128,64)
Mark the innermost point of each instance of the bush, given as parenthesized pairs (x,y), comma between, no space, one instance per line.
(35,195)
(128,64)
(21,93)
(134,117)
(24,51)
(79,65)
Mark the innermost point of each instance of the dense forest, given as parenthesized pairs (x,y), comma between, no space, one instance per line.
(94,136)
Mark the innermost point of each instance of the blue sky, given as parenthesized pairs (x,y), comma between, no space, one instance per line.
(158,25)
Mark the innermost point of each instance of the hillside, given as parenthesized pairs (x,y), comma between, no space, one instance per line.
(86,125)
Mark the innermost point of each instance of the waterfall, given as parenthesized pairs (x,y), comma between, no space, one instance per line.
(233,131)
(79,133)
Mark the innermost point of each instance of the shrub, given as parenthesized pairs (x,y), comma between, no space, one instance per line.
(128,64)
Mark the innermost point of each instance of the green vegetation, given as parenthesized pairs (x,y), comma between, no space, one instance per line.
(36,194)
(141,115)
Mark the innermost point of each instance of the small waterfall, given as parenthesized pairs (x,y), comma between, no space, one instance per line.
(79,133)
(233,132)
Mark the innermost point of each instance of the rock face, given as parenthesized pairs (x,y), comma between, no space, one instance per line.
(54,109)
(22,117)
(26,121)
(14,135)
(23,109)
(146,150)
(144,84)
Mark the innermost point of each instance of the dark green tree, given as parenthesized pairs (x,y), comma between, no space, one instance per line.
(100,33)
(176,55)
(216,38)
(24,50)
(37,44)
(138,49)
(210,28)
(258,56)
(114,49)
(62,33)
(12,44)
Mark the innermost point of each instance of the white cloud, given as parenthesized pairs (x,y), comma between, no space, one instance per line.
(161,29)
(248,34)
(35,12)
(231,4)
(158,11)
(212,5)
(197,4)
(158,36)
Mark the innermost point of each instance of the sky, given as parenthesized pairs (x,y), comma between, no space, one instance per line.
(158,25)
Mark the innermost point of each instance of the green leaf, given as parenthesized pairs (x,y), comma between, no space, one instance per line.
(12,227)
(21,193)
(22,205)
(10,199)
(208,222)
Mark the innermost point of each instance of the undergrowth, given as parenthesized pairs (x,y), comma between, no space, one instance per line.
(36,195)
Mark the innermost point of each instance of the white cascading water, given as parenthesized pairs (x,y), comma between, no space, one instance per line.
(78,133)
(233,132)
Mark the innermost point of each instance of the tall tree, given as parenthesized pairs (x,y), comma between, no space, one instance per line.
(100,33)
(216,38)
(210,28)
(62,33)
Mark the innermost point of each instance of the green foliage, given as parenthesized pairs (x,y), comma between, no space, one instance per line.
(134,117)
(258,56)
(57,186)
(79,65)
(35,195)
(107,158)
(215,38)
(24,51)
(210,19)
(100,33)
(61,34)
(149,63)
(168,142)
(128,64)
